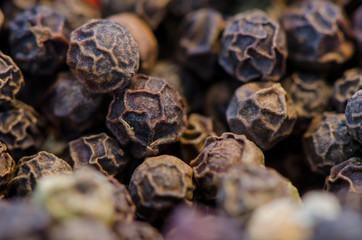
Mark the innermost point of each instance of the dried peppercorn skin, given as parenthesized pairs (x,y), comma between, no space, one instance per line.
(147,116)
(29,169)
(253,46)
(98,150)
(263,112)
(39,40)
(345,177)
(11,78)
(318,35)
(7,166)
(218,156)
(159,184)
(353,116)
(103,55)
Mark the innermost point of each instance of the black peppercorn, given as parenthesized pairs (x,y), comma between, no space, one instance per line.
(11,78)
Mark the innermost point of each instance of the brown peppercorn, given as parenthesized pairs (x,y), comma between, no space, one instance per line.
(218,156)
(345,87)
(146,117)
(197,130)
(159,184)
(103,55)
(345,177)
(110,7)
(253,46)
(310,95)
(100,151)
(11,78)
(263,112)
(353,113)
(327,142)
(39,40)
(249,186)
(19,128)
(29,169)
(199,43)
(137,230)
(7,167)
(317,34)
(152,11)
(143,35)
(70,107)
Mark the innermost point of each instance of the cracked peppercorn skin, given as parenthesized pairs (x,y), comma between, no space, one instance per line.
(103,55)
(253,46)
(147,116)
(11,78)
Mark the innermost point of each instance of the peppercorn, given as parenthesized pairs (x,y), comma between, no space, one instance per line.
(110,7)
(318,35)
(199,43)
(352,112)
(253,46)
(137,230)
(7,167)
(218,156)
(100,151)
(70,107)
(357,29)
(147,116)
(103,55)
(30,168)
(11,78)
(327,142)
(263,112)
(143,35)
(345,87)
(39,40)
(159,184)
(152,11)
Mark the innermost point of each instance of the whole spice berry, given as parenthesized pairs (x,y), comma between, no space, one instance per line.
(29,169)
(103,55)
(327,142)
(69,106)
(253,46)
(218,156)
(310,95)
(318,35)
(110,7)
(159,184)
(100,151)
(353,120)
(11,78)
(137,230)
(345,87)
(143,35)
(249,186)
(86,193)
(39,40)
(152,11)
(199,44)
(357,28)
(19,128)
(345,177)
(197,130)
(263,112)
(7,167)
(147,116)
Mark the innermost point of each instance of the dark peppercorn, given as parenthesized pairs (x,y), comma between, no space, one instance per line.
(152,11)
(146,117)
(345,87)
(318,35)
(199,44)
(30,169)
(7,167)
(20,126)
(159,184)
(353,113)
(11,78)
(143,35)
(137,230)
(110,7)
(101,151)
(253,46)
(103,55)
(70,107)
(39,40)
(263,112)
(357,29)
(345,177)
(327,142)
(218,156)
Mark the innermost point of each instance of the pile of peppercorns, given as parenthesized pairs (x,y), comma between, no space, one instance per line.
(181,119)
